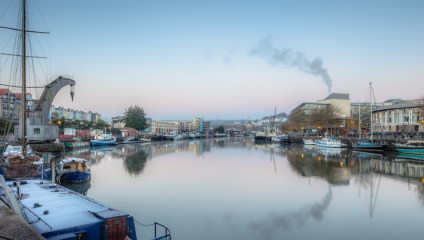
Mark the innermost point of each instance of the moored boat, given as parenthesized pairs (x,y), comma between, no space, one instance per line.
(191,136)
(367,146)
(72,145)
(104,139)
(412,147)
(308,142)
(72,170)
(169,136)
(329,142)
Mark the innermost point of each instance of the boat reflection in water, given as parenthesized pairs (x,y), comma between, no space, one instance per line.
(288,191)
(79,188)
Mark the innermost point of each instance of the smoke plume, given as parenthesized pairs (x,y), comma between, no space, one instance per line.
(289,220)
(286,57)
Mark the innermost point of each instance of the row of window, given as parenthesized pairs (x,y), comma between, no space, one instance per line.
(46,131)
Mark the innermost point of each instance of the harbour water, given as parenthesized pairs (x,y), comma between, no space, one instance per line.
(235,189)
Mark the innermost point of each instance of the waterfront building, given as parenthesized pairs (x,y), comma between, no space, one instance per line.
(30,103)
(206,127)
(339,100)
(60,112)
(89,116)
(399,117)
(198,125)
(164,126)
(8,103)
(235,127)
(117,122)
(127,131)
(148,127)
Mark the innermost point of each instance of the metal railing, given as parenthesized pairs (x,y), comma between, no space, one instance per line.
(5,100)
(5,107)
(167,235)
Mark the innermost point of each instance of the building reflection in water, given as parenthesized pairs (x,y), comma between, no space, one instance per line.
(336,166)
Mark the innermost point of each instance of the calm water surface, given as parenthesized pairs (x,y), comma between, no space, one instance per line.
(236,189)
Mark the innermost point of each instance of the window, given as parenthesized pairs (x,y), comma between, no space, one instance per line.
(36,131)
(47,131)
(54,130)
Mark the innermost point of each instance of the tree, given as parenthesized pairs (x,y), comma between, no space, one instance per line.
(116,131)
(285,127)
(60,122)
(100,123)
(221,129)
(297,119)
(134,117)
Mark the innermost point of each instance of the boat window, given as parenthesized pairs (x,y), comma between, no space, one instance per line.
(36,131)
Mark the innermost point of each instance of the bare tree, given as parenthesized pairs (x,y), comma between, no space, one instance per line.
(297,119)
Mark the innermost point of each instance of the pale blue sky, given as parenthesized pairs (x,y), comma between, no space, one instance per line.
(185,59)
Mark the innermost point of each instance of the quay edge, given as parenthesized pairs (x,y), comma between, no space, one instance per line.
(14,227)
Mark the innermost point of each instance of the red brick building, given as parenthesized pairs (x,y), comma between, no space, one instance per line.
(126,131)
(83,133)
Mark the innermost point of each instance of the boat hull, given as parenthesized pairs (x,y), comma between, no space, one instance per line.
(262,138)
(75,177)
(102,143)
(411,150)
(376,148)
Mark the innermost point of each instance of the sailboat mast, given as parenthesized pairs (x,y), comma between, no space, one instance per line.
(23,104)
(371,112)
(359,120)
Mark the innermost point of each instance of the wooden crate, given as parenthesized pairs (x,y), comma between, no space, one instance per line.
(21,171)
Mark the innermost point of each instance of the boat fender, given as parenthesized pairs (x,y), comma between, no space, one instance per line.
(46,212)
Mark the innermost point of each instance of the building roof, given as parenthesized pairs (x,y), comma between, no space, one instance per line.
(3,91)
(395,106)
(343,96)
(393,100)
(18,96)
(303,104)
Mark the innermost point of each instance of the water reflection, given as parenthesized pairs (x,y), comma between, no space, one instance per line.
(135,163)
(236,189)
(288,220)
(79,188)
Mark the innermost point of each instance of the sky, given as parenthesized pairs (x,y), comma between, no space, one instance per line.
(224,59)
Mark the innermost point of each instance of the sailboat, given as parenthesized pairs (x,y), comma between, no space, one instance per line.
(365,145)
(23,163)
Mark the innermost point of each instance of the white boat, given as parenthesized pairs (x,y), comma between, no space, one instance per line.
(239,135)
(275,139)
(15,150)
(308,142)
(329,142)
(178,137)
(227,135)
(191,136)
(170,136)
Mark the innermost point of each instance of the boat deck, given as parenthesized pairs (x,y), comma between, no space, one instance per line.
(66,209)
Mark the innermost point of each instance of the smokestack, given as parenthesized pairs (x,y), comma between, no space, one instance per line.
(286,57)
